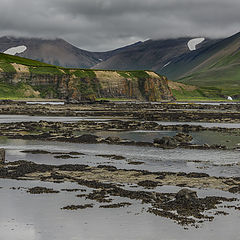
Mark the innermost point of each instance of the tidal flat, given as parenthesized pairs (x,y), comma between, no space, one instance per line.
(106,171)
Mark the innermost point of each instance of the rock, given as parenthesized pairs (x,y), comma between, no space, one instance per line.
(186,195)
(76,207)
(88,138)
(148,184)
(2,155)
(113,139)
(142,144)
(40,190)
(235,189)
(197,175)
(183,137)
(166,142)
(116,205)
(218,146)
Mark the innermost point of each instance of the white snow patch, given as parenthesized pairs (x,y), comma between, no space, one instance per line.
(166,64)
(192,44)
(229,98)
(15,50)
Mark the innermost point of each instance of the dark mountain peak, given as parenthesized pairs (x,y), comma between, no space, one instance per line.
(55,51)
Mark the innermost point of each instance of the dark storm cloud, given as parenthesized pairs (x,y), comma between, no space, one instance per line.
(106,24)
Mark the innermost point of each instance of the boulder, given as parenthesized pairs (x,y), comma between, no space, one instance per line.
(166,142)
(113,139)
(186,195)
(183,137)
(2,155)
(148,184)
(88,138)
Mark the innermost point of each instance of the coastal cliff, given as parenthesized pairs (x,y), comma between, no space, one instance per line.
(35,79)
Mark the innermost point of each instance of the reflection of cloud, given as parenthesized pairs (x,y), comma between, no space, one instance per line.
(16,153)
(12,230)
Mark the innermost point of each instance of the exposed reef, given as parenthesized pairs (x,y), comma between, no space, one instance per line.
(106,180)
(186,112)
(190,209)
(72,132)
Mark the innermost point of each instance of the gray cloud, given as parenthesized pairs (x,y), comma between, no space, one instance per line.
(107,24)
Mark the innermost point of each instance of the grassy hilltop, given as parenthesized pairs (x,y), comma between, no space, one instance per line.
(21,77)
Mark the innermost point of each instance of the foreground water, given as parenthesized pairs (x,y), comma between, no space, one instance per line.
(39,217)
(213,162)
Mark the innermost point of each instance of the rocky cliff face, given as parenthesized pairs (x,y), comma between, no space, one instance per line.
(78,84)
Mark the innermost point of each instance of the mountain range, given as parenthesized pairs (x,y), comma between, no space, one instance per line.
(150,54)
(212,64)
(216,65)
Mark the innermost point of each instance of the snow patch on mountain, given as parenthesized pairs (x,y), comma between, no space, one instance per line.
(166,64)
(192,44)
(15,50)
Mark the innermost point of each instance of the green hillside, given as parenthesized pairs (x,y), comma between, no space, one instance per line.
(222,73)
(21,78)
(24,89)
(37,67)
(214,68)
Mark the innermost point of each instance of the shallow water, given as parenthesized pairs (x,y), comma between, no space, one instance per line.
(44,103)
(182,102)
(203,124)
(213,162)
(4,118)
(209,103)
(26,118)
(39,217)
(202,137)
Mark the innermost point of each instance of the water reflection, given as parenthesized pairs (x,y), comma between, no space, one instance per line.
(203,124)
(44,103)
(39,217)
(213,162)
(26,118)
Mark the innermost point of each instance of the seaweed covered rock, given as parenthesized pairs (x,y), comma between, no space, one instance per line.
(166,142)
(88,138)
(2,155)
(173,142)
(186,195)
(183,137)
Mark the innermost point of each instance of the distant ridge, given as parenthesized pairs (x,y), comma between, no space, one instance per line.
(55,51)
(214,63)
(151,54)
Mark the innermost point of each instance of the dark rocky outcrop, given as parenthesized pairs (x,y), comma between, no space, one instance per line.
(2,155)
(184,207)
(172,142)
(186,195)
(166,142)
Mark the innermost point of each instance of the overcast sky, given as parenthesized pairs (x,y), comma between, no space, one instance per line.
(107,24)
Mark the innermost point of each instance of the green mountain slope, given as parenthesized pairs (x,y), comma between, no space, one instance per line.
(21,77)
(215,67)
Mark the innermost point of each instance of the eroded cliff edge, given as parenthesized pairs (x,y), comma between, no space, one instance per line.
(34,79)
